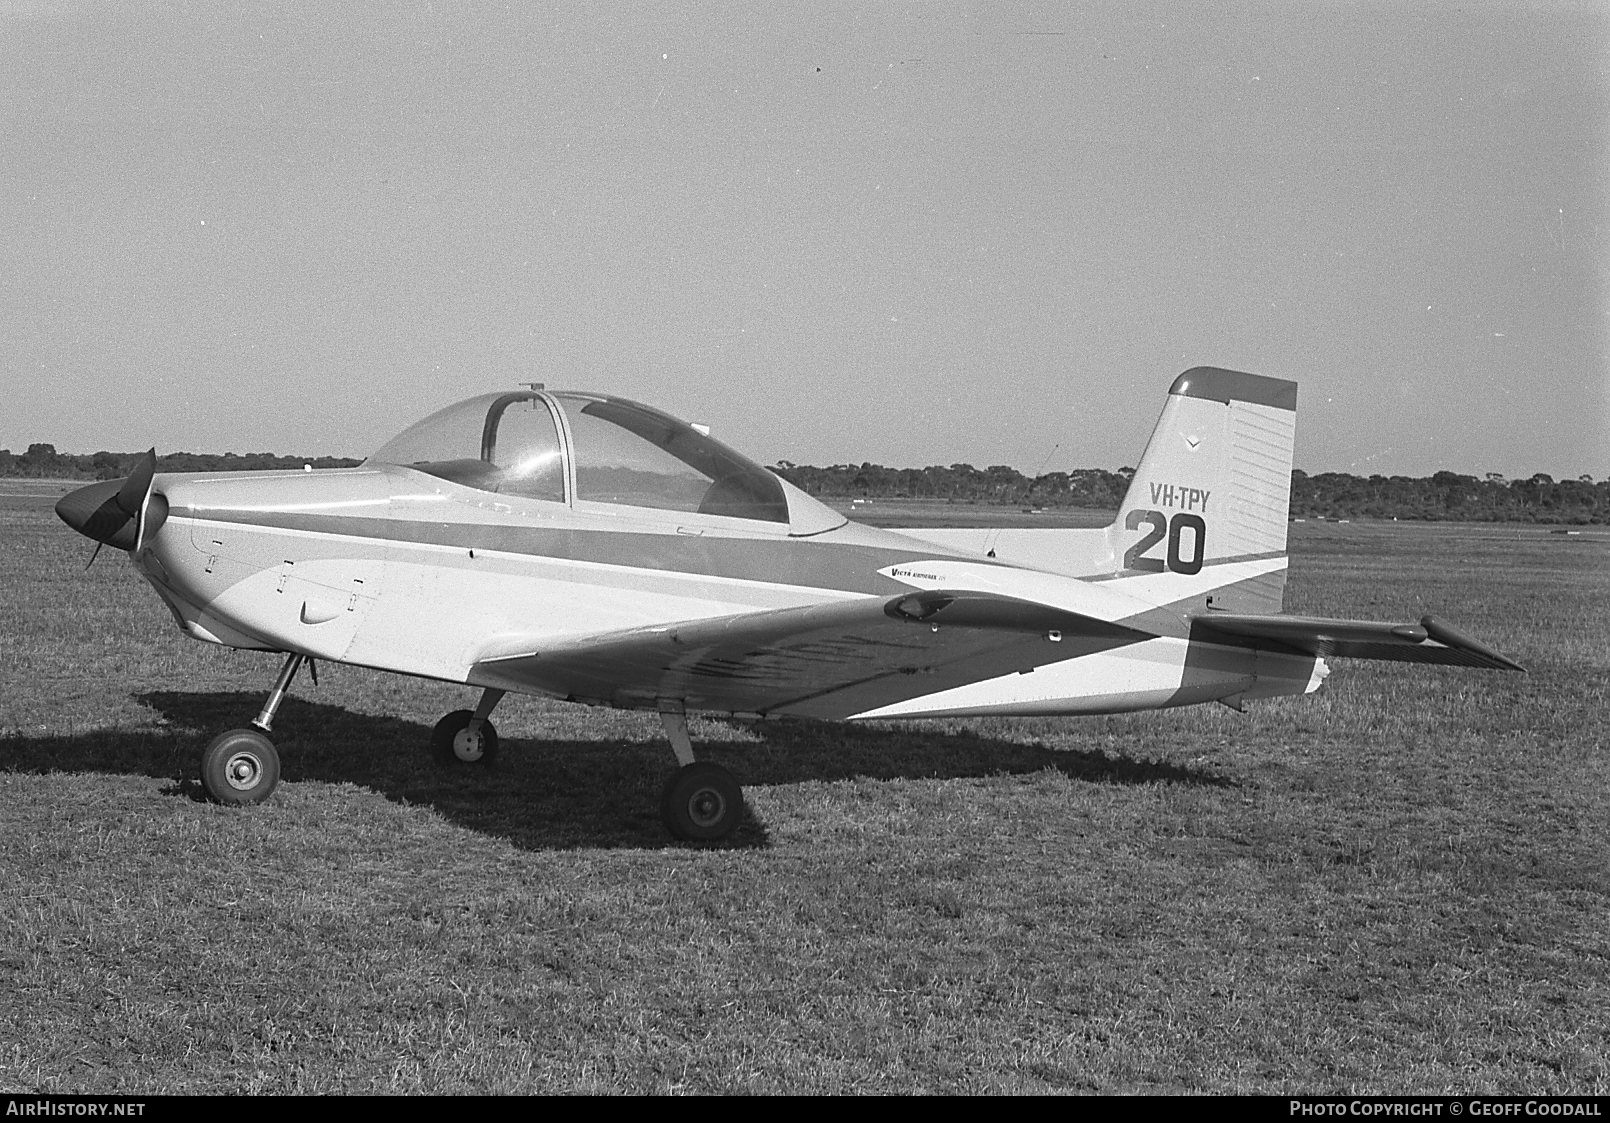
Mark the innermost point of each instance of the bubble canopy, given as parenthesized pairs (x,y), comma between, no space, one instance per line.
(578,448)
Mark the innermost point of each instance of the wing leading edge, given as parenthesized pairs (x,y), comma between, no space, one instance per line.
(1429,641)
(821,660)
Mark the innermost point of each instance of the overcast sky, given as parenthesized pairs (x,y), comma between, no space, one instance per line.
(907,233)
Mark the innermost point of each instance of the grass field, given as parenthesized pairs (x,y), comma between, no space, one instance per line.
(1398,885)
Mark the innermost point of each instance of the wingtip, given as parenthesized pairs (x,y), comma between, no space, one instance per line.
(1453,637)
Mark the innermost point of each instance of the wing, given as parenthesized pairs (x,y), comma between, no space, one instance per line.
(822,660)
(1429,641)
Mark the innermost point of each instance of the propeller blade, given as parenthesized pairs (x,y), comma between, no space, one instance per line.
(131,496)
(110,512)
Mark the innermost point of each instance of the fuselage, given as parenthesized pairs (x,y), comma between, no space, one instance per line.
(393,568)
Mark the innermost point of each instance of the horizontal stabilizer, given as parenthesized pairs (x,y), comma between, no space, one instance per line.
(1429,641)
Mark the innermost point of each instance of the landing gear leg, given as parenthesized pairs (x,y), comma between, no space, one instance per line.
(702,801)
(271,706)
(242,766)
(466,737)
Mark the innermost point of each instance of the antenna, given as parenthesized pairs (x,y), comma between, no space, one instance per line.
(994,535)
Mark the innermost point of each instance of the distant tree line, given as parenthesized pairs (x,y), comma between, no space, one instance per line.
(42,461)
(1335,495)
(963,483)
(1448,495)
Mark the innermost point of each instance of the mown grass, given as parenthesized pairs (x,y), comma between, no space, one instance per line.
(1398,885)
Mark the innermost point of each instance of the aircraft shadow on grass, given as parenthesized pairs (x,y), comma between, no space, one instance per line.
(557,794)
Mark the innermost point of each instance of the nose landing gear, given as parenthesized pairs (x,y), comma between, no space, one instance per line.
(242,766)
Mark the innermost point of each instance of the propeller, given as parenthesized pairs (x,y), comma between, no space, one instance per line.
(121,513)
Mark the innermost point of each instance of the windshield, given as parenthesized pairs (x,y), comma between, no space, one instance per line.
(629,453)
(508,443)
(620,452)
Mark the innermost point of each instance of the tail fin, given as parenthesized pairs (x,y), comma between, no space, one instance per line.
(1203,524)
(1213,489)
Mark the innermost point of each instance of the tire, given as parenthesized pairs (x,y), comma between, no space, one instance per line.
(240,767)
(452,747)
(702,803)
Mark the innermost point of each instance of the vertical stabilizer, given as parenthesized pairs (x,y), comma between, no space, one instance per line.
(1212,493)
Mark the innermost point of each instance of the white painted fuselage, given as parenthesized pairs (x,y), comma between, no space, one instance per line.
(390,568)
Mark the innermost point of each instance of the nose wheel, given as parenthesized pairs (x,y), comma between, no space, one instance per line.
(240,767)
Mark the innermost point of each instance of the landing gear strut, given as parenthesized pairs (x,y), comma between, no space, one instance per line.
(702,801)
(242,766)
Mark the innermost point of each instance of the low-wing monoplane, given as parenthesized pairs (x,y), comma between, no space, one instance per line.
(585,547)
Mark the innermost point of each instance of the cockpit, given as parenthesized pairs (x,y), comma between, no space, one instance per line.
(581,449)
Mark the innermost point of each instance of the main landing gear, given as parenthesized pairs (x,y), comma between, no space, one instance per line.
(242,766)
(702,802)
(467,737)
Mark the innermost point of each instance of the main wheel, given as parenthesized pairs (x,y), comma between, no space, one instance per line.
(451,742)
(240,767)
(702,803)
